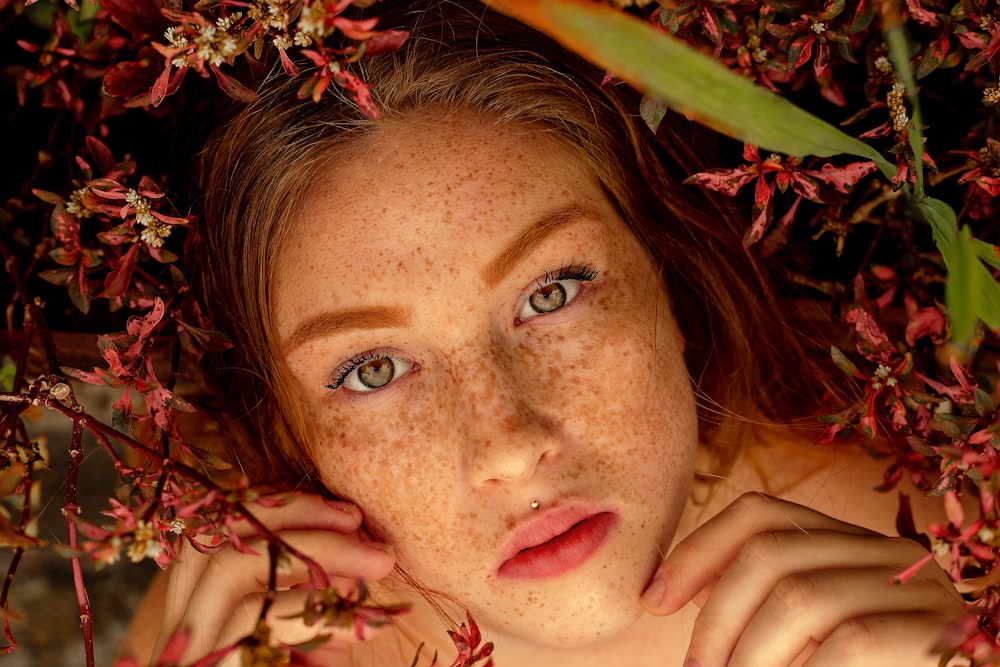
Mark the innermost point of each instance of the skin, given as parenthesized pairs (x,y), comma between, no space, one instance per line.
(589,404)
(504,408)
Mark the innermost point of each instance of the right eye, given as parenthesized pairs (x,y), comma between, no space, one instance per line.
(370,371)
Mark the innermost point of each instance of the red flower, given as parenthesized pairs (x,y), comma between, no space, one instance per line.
(467,640)
(778,172)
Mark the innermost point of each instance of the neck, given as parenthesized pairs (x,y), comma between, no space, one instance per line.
(649,641)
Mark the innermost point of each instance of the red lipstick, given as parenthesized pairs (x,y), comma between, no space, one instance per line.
(554,543)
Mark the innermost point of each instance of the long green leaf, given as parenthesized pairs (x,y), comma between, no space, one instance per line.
(971,292)
(690,82)
(899,53)
(987,252)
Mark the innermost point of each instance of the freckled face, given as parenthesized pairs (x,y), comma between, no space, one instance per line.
(471,326)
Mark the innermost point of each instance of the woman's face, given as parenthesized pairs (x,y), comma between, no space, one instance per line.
(471,327)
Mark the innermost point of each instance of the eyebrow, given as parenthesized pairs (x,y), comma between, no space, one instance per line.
(382,317)
(345,320)
(522,245)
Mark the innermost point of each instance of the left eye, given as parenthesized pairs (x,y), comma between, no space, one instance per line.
(371,374)
(548,298)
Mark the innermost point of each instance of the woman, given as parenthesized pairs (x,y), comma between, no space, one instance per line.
(541,375)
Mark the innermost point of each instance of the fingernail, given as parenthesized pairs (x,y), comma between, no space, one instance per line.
(657,589)
(379,546)
(690,661)
(342,505)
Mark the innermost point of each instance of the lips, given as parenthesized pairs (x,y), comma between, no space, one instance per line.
(555,543)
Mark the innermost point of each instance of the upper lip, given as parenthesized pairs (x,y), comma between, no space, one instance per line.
(540,528)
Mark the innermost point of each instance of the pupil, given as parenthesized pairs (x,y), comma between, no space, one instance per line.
(548,298)
(376,373)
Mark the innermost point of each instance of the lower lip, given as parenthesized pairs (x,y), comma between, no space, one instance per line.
(563,552)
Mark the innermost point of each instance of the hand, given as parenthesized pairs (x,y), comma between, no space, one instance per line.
(218,597)
(781,584)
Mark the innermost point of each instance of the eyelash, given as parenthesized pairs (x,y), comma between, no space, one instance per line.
(580,272)
(353,362)
(572,271)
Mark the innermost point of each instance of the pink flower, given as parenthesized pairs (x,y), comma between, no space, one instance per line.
(778,172)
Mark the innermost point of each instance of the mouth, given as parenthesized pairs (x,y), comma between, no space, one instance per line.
(556,544)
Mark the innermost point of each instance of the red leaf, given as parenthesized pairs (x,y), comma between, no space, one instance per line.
(143,326)
(287,64)
(128,79)
(843,178)
(385,42)
(933,56)
(800,51)
(118,280)
(726,181)
(360,30)
(929,322)
(159,90)
(56,276)
(138,17)
(921,15)
(804,186)
(79,289)
(101,154)
(107,188)
(710,24)
(758,227)
(912,570)
(762,193)
(232,87)
(84,376)
(359,91)
(953,508)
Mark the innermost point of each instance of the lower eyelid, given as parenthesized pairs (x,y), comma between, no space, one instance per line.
(384,393)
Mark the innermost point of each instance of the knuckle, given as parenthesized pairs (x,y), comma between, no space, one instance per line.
(855,639)
(794,594)
(908,547)
(760,549)
(751,503)
(706,627)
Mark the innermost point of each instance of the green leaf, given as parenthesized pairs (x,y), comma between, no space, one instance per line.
(987,252)
(690,82)
(844,364)
(971,293)
(652,111)
(984,403)
(8,370)
(941,217)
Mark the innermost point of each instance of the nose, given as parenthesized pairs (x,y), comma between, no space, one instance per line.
(507,432)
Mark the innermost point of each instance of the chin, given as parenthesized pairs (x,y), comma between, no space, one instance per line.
(577,618)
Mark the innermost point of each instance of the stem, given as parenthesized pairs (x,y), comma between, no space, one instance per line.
(26,481)
(71,508)
(34,314)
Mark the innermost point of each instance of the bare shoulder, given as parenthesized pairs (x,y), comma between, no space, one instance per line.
(840,480)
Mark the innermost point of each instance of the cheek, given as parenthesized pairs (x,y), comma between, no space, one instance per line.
(394,465)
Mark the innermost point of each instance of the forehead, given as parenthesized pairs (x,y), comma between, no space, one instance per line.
(430,193)
(444,170)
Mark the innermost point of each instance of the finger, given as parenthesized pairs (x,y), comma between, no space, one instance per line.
(707,552)
(811,605)
(883,640)
(205,600)
(303,511)
(766,559)
(286,618)
(300,512)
